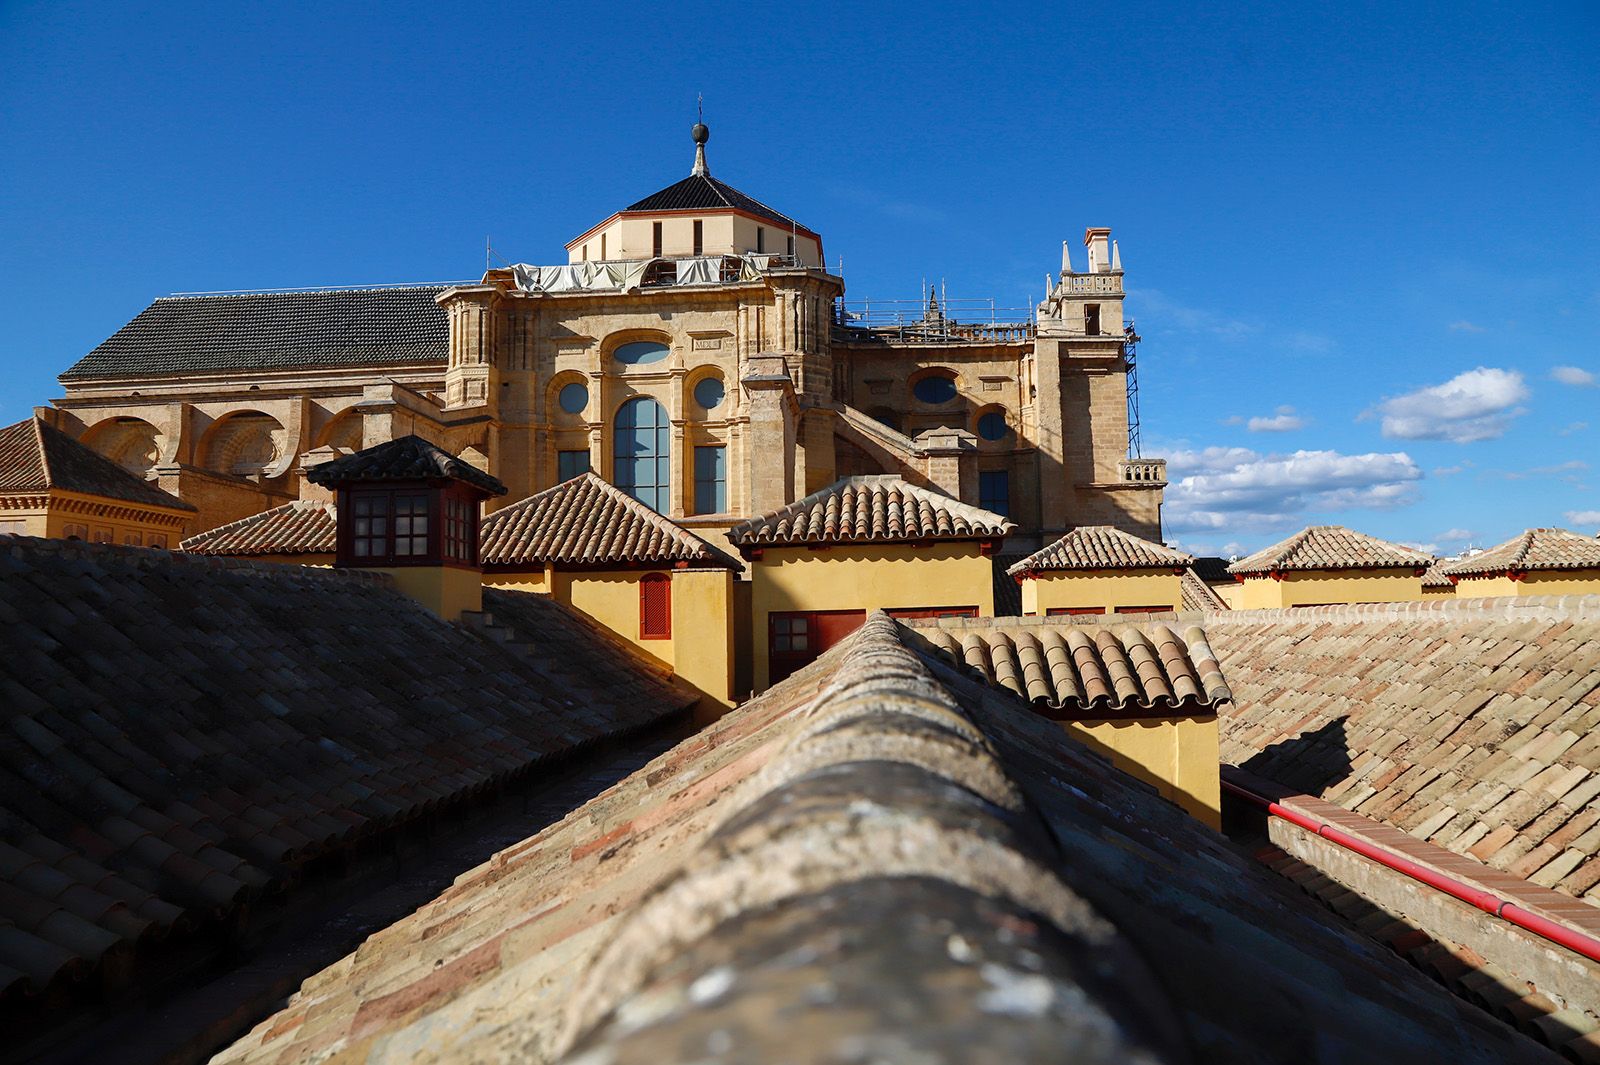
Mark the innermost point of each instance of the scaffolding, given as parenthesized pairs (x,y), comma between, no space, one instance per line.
(1130,353)
(937,318)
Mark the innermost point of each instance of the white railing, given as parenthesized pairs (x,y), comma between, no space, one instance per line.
(1082,283)
(1143,471)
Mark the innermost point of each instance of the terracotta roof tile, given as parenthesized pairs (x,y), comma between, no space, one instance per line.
(586,521)
(1473,723)
(872,509)
(401,326)
(1434,577)
(1100,547)
(1330,547)
(1087,670)
(35,457)
(406,458)
(304,527)
(933,858)
(1535,549)
(1198,595)
(184,734)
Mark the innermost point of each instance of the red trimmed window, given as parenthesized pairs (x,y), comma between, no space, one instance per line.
(458,531)
(1073,611)
(1144,609)
(916,613)
(655,607)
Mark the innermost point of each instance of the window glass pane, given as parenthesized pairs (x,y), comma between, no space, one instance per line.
(574,398)
(710,480)
(992,426)
(935,389)
(642,445)
(640,353)
(570,464)
(709,393)
(994,491)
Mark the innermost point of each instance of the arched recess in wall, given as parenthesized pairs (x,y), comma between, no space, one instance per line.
(934,387)
(243,443)
(132,443)
(567,398)
(344,430)
(646,349)
(992,426)
(642,452)
(706,394)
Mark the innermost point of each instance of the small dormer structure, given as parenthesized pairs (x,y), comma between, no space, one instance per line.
(410,509)
(1088,303)
(697,217)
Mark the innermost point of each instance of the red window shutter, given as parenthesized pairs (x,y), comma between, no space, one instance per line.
(655,607)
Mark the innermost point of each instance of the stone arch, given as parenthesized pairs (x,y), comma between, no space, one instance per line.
(344,430)
(243,443)
(132,443)
(558,414)
(625,337)
(981,420)
(692,406)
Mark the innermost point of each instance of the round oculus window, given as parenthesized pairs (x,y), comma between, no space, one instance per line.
(935,389)
(641,353)
(709,393)
(992,426)
(574,397)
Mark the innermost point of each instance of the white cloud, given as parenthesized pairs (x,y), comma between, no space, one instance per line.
(1476,405)
(1573,427)
(1583,517)
(1238,489)
(1574,376)
(1286,420)
(1465,326)
(1450,535)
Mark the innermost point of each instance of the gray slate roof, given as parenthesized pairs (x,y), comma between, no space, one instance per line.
(702,192)
(400,326)
(410,458)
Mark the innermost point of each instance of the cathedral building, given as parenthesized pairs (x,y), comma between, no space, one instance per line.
(694,350)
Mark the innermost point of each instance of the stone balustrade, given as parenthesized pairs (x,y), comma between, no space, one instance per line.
(1143,471)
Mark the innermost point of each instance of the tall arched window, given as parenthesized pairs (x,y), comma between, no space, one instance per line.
(643,452)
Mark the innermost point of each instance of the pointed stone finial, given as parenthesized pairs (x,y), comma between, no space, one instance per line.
(701,133)
(1066,257)
(1116,256)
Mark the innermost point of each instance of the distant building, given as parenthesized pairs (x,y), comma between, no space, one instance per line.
(1101,570)
(52,486)
(693,350)
(1326,565)
(1537,562)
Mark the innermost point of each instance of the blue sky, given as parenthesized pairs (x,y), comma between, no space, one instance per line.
(1362,242)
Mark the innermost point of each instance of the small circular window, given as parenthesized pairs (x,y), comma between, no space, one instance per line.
(992,426)
(709,392)
(574,397)
(641,353)
(935,389)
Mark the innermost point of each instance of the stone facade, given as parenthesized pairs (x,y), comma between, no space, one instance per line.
(805,395)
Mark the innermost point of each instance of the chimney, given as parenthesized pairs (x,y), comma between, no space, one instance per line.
(1098,241)
(410,509)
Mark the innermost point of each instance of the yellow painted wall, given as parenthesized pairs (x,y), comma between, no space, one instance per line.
(1230,592)
(95,513)
(869,577)
(1439,593)
(1317,587)
(445,590)
(701,647)
(1179,756)
(1107,589)
(1549,582)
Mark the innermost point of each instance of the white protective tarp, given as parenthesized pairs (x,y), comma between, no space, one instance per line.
(624,276)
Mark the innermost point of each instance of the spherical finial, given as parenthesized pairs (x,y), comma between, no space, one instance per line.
(701,133)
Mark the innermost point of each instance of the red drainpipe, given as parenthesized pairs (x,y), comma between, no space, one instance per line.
(1486,901)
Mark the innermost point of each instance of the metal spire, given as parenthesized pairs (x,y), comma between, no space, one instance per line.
(701,134)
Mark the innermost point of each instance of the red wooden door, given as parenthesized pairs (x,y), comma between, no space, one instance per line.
(796,638)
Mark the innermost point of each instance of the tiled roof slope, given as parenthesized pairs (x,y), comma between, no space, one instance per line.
(304,527)
(183,734)
(400,326)
(35,457)
(1331,547)
(702,192)
(1474,724)
(1100,547)
(1535,549)
(406,458)
(870,509)
(1434,577)
(586,521)
(1088,670)
(1198,595)
(876,855)
(1212,568)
